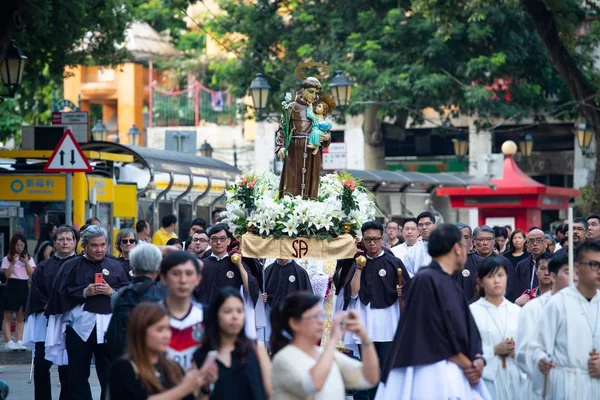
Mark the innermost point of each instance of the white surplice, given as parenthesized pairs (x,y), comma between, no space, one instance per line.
(413,257)
(441,380)
(566,336)
(527,331)
(496,324)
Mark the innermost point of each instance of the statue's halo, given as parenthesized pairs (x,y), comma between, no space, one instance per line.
(321,77)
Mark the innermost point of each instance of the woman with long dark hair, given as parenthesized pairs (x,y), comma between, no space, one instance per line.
(517,251)
(497,320)
(301,369)
(17,267)
(43,249)
(244,365)
(145,372)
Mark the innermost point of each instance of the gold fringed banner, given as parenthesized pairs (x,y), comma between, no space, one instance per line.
(255,246)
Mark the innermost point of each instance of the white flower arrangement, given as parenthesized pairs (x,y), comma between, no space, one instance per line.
(254,206)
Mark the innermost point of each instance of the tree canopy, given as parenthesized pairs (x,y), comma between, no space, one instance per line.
(397,57)
(569,30)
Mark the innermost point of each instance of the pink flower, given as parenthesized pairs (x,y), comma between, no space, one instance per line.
(251,183)
(349,185)
(243,181)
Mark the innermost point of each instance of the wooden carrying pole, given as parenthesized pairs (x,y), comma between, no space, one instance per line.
(570,250)
(400,300)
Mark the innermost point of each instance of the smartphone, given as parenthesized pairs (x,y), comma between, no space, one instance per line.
(343,324)
(99,278)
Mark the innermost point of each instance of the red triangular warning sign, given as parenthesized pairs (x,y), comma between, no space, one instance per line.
(67,156)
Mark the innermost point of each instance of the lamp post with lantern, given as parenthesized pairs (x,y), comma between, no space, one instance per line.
(585,134)
(206,150)
(341,89)
(99,132)
(461,147)
(11,70)
(526,145)
(133,134)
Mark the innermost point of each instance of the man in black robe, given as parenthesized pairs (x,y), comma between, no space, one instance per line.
(284,277)
(85,306)
(64,242)
(378,290)
(219,271)
(437,333)
(467,278)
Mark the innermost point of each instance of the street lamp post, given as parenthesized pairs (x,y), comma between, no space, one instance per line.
(341,88)
(585,134)
(11,70)
(461,147)
(133,134)
(526,145)
(99,131)
(259,91)
(206,150)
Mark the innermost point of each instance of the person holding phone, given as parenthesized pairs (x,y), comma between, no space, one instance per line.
(303,370)
(244,365)
(145,372)
(17,266)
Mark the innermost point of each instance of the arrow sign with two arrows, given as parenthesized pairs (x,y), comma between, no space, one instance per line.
(61,162)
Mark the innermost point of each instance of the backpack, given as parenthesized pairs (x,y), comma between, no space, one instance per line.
(116,333)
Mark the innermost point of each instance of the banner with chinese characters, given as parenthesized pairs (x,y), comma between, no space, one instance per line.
(255,246)
(32,187)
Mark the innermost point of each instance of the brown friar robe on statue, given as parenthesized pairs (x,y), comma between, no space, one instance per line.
(301,169)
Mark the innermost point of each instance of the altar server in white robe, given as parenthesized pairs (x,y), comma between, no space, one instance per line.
(413,252)
(528,327)
(497,319)
(566,350)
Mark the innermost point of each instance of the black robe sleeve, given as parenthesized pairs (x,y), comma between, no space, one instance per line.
(379,279)
(467,281)
(58,300)
(38,297)
(83,275)
(280,283)
(215,276)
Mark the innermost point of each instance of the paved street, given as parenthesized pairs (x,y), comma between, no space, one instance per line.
(17,377)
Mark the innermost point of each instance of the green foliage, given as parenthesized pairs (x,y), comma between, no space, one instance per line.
(10,120)
(404,59)
(588,201)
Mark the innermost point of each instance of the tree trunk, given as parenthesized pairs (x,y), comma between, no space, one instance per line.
(581,90)
(374,145)
(375,152)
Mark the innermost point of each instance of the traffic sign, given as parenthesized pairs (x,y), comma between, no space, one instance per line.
(77,122)
(334,156)
(67,156)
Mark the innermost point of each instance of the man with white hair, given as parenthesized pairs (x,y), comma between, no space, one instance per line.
(145,262)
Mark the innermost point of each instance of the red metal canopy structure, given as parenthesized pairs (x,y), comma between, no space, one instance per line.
(516,196)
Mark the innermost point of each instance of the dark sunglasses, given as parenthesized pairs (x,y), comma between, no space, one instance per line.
(125,241)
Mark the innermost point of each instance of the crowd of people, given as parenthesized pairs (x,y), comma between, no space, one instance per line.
(421,312)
